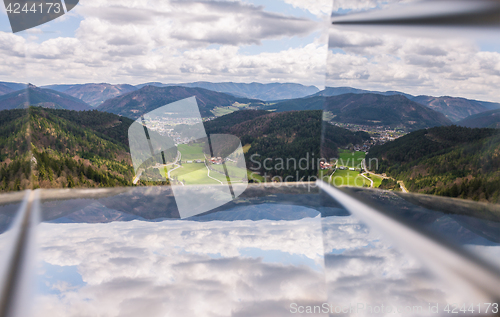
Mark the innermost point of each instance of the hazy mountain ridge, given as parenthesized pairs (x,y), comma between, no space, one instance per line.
(336,91)
(5,90)
(265,92)
(455,108)
(369,109)
(13,86)
(281,96)
(380,110)
(149,98)
(46,98)
(93,94)
(488,119)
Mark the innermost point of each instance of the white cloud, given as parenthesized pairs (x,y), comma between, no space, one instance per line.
(362,266)
(237,268)
(183,268)
(415,65)
(178,41)
(172,41)
(317,7)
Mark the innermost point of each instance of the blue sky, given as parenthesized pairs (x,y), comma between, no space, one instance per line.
(247,41)
(170,42)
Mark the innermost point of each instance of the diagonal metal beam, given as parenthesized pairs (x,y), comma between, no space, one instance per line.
(450,13)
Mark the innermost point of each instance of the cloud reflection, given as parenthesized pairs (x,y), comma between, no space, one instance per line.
(183,268)
(362,266)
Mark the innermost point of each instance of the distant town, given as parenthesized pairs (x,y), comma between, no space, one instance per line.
(165,126)
(379,134)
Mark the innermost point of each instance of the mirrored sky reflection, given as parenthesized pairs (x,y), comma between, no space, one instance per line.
(256,256)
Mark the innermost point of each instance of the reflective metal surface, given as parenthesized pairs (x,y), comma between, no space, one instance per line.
(271,252)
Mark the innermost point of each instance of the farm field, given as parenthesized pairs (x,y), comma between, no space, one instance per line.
(324,175)
(193,174)
(221,111)
(350,159)
(349,178)
(191,151)
(236,173)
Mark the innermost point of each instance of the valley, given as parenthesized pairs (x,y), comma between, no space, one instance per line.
(421,144)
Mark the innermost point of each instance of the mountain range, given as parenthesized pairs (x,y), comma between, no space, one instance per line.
(336,91)
(148,98)
(7,87)
(217,99)
(5,90)
(265,92)
(46,98)
(454,108)
(369,109)
(488,119)
(93,94)
(375,109)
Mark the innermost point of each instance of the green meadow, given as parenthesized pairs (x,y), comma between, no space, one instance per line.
(349,178)
(191,151)
(350,159)
(193,174)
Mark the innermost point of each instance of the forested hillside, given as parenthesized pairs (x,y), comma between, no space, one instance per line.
(14,150)
(90,148)
(284,136)
(79,149)
(448,161)
(68,149)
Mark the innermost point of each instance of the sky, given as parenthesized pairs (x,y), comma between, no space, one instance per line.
(425,61)
(173,41)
